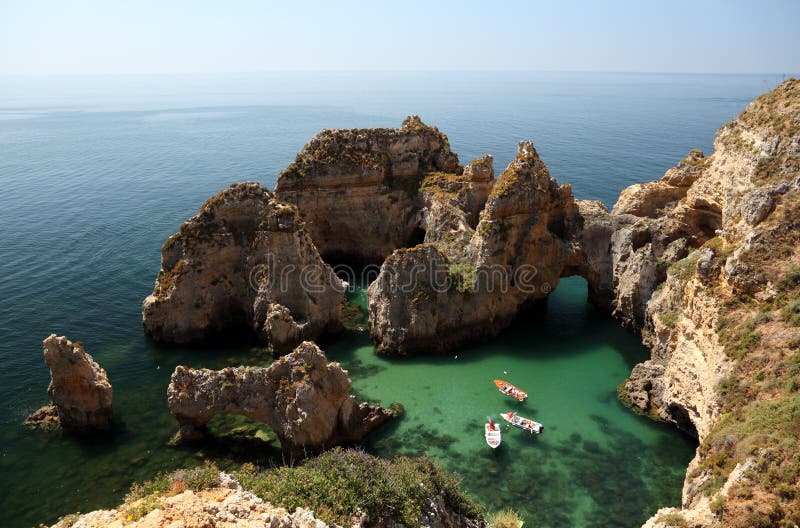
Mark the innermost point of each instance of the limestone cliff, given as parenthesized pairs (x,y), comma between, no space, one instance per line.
(244,261)
(301,396)
(705,266)
(465,283)
(79,389)
(358,190)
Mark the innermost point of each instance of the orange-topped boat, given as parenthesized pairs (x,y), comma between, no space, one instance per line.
(510,390)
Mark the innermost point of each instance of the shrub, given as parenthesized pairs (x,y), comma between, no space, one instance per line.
(507,518)
(339,482)
(714,483)
(669,318)
(717,505)
(792,277)
(196,479)
(791,312)
(675,520)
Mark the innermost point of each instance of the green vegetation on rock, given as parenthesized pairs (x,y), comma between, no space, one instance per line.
(340,482)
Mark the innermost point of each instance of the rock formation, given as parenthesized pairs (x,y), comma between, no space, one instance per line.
(465,283)
(226,505)
(244,261)
(705,266)
(301,396)
(358,190)
(79,389)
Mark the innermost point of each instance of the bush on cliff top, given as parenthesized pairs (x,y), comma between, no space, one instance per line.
(505,519)
(340,482)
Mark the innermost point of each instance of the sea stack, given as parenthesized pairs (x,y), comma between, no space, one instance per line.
(79,389)
(245,261)
(358,190)
(301,396)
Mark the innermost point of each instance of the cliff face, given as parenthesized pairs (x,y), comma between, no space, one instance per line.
(244,261)
(79,389)
(358,190)
(706,268)
(301,396)
(465,283)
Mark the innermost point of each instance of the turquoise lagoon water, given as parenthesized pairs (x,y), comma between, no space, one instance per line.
(96,172)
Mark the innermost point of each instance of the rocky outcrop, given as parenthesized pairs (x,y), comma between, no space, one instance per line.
(79,389)
(205,497)
(358,190)
(245,261)
(226,505)
(466,283)
(301,396)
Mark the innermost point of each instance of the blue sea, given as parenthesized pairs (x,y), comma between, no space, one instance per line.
(96,172)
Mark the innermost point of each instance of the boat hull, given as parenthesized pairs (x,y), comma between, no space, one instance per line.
(493,435)
(510,390)
(522,423)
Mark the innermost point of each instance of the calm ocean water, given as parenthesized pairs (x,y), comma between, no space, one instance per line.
(96,172)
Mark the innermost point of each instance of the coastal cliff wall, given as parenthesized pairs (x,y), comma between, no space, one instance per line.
(706,267)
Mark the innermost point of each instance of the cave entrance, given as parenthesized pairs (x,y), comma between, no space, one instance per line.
(239,438)
(416,237)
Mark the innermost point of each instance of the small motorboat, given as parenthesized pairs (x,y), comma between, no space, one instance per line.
(522,423)
(492,434)
(510,390)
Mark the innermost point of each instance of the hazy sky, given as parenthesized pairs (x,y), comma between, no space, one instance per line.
(164,36)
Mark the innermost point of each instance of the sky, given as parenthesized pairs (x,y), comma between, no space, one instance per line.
(76,37)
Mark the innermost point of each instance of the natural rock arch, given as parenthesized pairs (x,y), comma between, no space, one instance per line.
(301,396)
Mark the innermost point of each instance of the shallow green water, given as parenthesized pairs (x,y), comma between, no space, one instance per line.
(595,464)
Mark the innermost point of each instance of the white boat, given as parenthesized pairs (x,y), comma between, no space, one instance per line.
(492,434)
(522,423)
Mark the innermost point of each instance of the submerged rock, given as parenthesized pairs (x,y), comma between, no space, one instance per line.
(244,261)
(358,190)
(301,396)
(79,389)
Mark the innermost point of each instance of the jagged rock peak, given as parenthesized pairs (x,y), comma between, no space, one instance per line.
(243,261)
(79,389)
(520,248)
(301,396)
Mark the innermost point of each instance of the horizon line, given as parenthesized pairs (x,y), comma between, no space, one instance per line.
(425,70)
